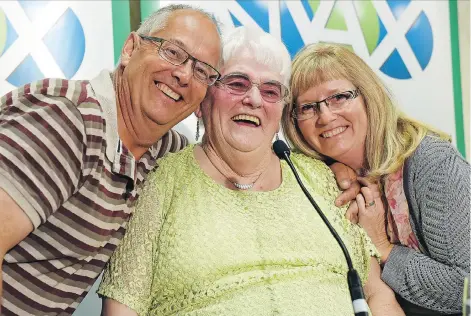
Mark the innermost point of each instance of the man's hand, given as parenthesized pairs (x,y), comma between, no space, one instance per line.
(347,182)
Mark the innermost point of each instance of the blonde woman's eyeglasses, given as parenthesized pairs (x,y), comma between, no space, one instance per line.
(335,103)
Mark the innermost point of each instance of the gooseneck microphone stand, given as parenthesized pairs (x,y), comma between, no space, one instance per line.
(360,307)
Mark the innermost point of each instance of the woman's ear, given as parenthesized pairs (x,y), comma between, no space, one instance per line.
(198,112)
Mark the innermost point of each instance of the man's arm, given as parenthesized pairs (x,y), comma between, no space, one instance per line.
(14,227)
(380,297)
(42,146)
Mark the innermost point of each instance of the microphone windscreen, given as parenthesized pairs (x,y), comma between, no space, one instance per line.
(280,148)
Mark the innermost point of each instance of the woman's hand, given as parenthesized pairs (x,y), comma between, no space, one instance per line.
(371,216)
(347,182)
(110,307)
(366,209)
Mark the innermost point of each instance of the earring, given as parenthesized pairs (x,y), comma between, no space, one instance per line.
(197,136)
(277,137)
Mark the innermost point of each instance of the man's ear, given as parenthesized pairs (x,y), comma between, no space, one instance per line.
(130,46)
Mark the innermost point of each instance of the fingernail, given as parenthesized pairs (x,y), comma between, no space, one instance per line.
(338,203)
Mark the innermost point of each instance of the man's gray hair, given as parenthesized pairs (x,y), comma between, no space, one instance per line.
(263,47)
(158,20)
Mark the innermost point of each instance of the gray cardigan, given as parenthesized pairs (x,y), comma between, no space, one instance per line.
(437,186)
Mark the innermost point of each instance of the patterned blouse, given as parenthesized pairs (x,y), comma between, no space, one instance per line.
(195,247)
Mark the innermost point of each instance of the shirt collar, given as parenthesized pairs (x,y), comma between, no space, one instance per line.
(103,87)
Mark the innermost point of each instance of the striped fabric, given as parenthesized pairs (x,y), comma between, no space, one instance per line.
(61,160)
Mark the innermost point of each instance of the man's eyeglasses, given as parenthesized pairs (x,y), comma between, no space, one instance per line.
(177,56)
(335,103)
(239,84)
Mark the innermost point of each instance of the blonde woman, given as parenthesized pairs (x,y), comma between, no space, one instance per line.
(416,196)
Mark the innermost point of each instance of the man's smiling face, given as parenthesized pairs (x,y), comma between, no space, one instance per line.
(164,93)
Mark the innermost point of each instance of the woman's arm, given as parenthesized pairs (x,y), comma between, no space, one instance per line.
(111,307)
(127,279)
(439,183)
(380,297)
(440,186)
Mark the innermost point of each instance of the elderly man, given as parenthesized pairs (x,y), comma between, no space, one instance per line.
(73,155)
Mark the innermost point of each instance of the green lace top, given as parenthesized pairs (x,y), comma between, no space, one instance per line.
(195,247)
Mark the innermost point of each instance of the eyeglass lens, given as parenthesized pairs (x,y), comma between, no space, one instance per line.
(271,91)
(177,56)
(334,103)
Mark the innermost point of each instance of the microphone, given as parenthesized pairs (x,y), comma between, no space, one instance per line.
(360,307)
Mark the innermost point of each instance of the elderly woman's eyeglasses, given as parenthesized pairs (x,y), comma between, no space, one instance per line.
(177,56)
(335,103)
(239,84)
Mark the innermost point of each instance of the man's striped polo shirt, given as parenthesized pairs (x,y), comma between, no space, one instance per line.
(62,161)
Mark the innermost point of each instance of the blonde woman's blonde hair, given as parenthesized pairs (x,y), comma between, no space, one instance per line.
(391,136)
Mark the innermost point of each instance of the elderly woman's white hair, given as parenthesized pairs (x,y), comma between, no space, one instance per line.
(263,47)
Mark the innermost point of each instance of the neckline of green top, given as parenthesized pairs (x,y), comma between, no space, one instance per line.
(285,177)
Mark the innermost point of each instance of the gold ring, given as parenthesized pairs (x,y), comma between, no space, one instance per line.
(370,204)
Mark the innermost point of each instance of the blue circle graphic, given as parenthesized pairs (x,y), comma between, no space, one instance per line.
(419,36)
(65,41)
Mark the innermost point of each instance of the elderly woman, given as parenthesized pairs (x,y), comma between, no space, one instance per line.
(415,201)
(223,229)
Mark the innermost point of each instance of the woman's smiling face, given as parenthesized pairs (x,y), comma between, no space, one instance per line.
(244,122)
(341,134)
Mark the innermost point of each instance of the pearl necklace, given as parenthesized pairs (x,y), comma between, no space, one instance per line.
(244,186)
(239,186)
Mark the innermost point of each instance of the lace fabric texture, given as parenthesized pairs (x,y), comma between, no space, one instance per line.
(194,247)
